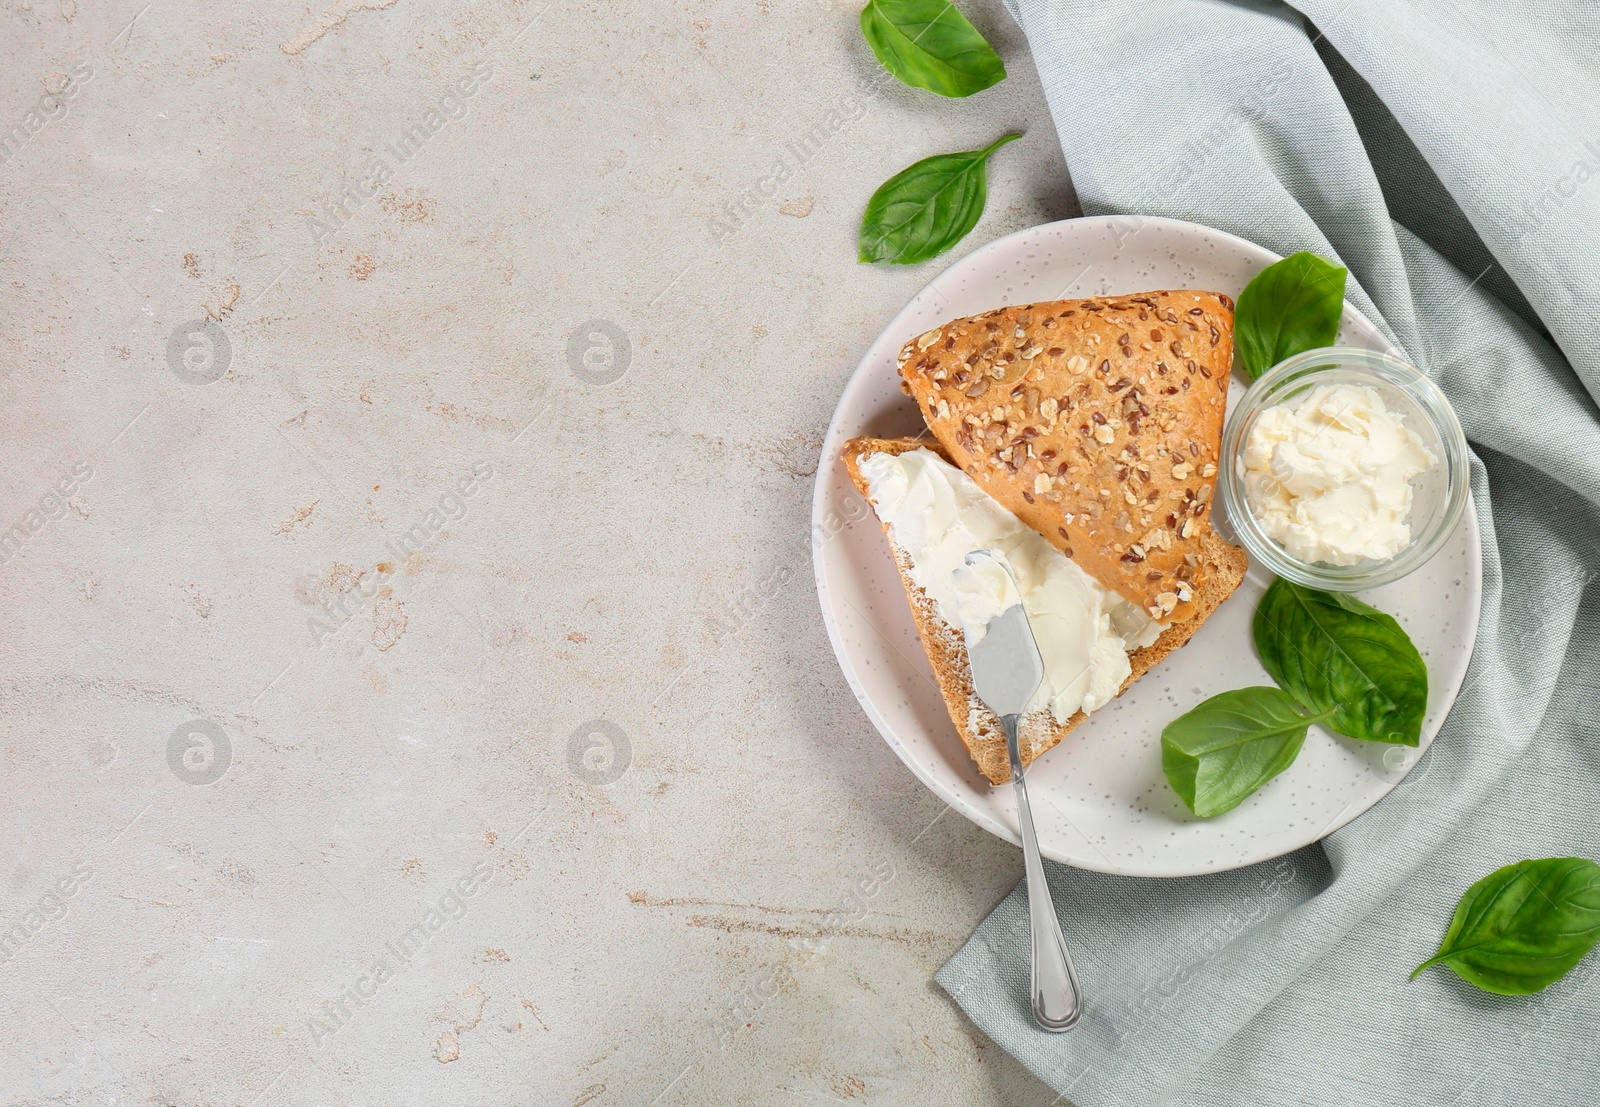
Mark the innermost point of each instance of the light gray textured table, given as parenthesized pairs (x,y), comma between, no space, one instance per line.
(414,688)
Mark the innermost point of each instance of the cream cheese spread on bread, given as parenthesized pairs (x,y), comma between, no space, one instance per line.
(1328,475)
(937,515)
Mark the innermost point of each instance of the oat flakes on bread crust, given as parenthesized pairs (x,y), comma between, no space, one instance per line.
(947,650)
(1098,422)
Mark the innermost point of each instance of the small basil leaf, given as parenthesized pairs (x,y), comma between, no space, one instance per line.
(925,209)
(929,44)
(1233,743)
(1290,307)
(1338,654)
(1523,927)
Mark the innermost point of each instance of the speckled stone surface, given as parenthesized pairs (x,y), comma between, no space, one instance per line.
(414,689)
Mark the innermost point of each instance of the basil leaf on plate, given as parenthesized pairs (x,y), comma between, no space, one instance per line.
(1338,654)
(1290,307)
(929,44)
(1523,927)
(925,209)
(1233,743)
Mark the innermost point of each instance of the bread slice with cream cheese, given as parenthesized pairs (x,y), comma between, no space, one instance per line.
(945,645)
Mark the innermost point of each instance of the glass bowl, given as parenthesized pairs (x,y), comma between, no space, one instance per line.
(1439,496)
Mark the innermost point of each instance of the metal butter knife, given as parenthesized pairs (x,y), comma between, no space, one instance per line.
(1006,671)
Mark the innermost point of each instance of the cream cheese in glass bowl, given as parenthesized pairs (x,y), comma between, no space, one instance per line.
(1344,469)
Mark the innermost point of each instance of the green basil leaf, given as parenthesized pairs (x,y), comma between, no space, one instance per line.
(1338,654)
(925,209)
(929,44)
(1290,307)
(1233,743)
(1523,927)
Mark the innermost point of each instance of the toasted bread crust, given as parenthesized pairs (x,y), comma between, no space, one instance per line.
(1098,422)
(946,649)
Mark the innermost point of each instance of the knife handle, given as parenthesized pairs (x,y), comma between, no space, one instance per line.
(1057,1002)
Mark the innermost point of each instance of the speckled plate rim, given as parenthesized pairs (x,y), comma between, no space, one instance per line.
(848,422)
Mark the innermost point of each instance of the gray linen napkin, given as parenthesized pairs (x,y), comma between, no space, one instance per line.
(1448,153)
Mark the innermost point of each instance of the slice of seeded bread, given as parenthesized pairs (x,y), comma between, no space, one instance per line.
(1098,422)
(947,651)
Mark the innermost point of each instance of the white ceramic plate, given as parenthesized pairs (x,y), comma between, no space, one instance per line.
(1099,798)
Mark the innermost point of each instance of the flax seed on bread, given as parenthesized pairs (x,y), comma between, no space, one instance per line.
(945,646)
(1098,422)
